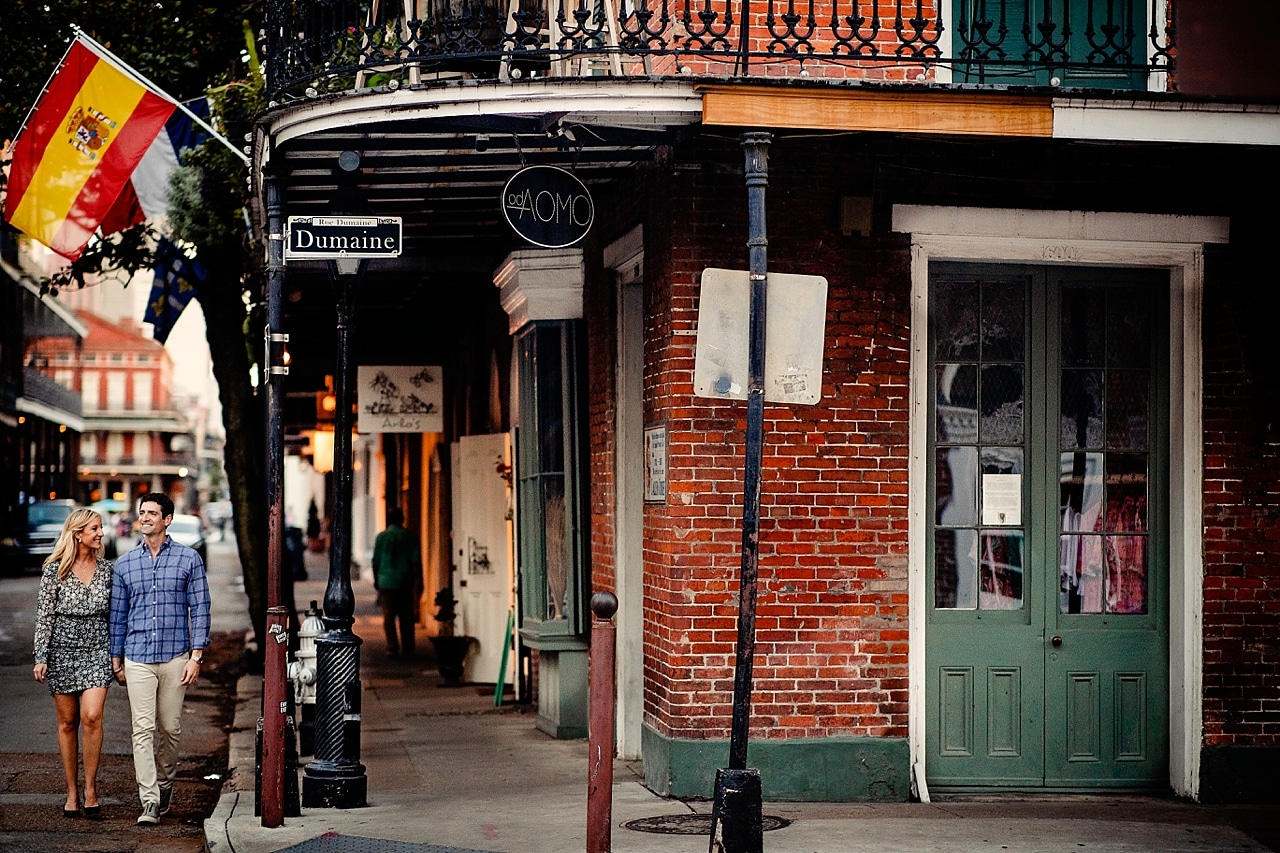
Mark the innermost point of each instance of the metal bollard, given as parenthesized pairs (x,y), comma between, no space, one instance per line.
(601,693)
(275,708)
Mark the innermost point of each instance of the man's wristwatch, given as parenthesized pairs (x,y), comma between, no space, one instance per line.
(198,660)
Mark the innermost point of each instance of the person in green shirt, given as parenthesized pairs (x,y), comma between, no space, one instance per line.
(397,576)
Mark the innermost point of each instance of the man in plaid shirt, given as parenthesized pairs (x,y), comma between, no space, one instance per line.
(159,628)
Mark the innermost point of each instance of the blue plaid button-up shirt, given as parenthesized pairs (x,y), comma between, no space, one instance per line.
(160,605)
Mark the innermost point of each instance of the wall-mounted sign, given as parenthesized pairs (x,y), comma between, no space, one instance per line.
(331,237)
(399,398)
(795,325)
(655,463)
(547,206)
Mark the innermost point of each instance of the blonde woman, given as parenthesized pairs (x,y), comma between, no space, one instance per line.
(73,649)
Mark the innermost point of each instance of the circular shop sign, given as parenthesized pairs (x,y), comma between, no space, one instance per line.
(548,206)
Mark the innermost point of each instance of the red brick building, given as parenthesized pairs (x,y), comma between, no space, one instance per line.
(1026,535)
(135,438)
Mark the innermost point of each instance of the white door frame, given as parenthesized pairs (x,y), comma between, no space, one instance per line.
(625,257)
(1175,243)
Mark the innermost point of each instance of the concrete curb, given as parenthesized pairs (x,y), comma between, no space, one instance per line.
(242,758)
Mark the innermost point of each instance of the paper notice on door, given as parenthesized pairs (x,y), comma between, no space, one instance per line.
(1002,499)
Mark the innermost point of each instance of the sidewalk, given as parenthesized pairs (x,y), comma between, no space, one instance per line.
(448,772)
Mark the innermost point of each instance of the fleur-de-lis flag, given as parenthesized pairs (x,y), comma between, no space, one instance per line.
(177,279)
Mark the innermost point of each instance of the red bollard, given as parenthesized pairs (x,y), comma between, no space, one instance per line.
(601,693)
(275,707)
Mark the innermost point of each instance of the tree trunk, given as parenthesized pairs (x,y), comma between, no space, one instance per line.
(242,420)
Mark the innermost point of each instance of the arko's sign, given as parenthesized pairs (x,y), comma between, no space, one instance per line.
(547,206)
(331,237)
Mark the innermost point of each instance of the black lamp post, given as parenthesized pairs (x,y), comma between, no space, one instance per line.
(335,777)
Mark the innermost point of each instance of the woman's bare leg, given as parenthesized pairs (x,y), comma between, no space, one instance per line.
(68,726)
(92,702)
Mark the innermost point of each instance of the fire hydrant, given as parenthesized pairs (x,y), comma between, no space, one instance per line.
(302,672)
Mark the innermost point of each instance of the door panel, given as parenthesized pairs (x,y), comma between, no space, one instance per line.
(483,576)
(1048,631)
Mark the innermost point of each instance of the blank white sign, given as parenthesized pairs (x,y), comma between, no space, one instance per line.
(795,329)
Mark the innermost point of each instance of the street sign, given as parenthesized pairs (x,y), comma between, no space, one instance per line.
(795,326)
(548,206)
(333,237)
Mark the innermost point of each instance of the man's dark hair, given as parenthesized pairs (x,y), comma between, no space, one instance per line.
(165,502)
(395,516)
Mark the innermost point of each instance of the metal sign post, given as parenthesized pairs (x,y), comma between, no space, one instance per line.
(737,819)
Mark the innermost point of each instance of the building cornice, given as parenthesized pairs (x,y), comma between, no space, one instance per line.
(645,103)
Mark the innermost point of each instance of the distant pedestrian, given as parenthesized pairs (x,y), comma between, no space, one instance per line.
(397,576)
(72,649)
(159,629)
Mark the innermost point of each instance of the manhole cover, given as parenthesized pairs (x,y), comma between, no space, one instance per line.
(691,824)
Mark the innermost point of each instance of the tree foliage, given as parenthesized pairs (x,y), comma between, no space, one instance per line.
(183,46)
(188,49)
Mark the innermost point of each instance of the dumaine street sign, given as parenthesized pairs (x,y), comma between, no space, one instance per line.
(332,237)
(547,206)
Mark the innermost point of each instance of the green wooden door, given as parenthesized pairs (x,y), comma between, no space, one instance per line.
(1047,642)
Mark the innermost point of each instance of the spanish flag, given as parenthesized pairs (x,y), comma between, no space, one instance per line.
(79,148)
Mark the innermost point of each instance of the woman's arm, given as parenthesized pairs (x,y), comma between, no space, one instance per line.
(46,604)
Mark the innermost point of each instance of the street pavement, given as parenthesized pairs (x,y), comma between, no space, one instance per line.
(31,786)
(449,771)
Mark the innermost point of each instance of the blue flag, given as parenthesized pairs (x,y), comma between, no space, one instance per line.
(177,278)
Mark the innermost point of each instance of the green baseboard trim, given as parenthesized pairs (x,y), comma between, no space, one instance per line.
(560,732)
(806,770)
(1240,774)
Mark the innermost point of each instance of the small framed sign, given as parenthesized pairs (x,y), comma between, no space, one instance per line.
(655,463)
(399,398)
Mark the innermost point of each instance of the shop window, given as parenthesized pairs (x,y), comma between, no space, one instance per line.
(549,464)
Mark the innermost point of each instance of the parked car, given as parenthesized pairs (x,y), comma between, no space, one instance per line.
(189,530)
(35,538)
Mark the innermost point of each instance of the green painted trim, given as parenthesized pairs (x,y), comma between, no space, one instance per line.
(553,642)
(562,694)
(807,770)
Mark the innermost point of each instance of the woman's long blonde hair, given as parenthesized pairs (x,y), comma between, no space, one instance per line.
(64,553)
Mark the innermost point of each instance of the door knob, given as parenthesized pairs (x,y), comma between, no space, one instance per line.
(1057,641)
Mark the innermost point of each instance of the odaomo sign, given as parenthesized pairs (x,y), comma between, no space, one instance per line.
(547,206)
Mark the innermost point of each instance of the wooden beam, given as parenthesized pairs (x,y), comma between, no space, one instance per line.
(969,113)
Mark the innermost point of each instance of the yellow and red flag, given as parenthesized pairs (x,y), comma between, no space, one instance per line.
(78,150)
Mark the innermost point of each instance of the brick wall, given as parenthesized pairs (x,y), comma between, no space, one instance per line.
(1241,494)
(831,655)
(831,652)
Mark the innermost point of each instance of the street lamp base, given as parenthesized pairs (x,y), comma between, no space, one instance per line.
(334,786)
(737,820)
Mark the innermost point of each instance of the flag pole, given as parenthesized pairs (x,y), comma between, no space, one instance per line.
(107,55)
(36,102)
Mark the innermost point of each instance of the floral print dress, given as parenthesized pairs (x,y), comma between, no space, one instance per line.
(72,633)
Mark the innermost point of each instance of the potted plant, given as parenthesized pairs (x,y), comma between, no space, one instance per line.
(451,650)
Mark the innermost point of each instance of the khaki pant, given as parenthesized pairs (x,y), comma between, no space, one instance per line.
(156,692)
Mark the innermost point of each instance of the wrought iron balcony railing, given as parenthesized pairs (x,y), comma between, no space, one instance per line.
(318,46)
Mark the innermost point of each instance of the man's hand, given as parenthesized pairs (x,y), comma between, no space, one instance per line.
(190,672)
(117,669)
(39,671)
